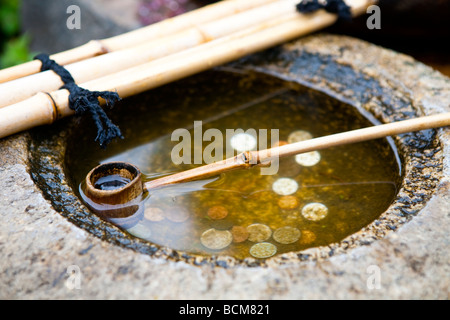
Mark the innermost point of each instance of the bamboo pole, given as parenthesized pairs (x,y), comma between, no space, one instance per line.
(82,71)
(253,158)
(44,109)
(164,28)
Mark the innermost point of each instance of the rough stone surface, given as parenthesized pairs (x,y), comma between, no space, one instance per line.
(38,245)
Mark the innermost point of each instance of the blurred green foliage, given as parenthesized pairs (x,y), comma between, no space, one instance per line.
(14,46)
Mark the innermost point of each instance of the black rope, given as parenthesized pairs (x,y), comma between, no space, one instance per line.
(338,7)
(83,101)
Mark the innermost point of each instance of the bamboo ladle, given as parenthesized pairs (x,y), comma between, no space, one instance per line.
(103,199)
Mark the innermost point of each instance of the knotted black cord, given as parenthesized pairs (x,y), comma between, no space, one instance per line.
(338,7)
(83,101)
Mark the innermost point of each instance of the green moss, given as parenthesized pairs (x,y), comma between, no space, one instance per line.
(14,46)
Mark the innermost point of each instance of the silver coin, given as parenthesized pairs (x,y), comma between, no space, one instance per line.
(314,211)
(242,142)
(285,186)
(216,239)
(308,159)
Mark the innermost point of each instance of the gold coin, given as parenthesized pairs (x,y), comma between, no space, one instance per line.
(258,232)
(177,214)
(154,214)
(240,234)
(216,239)
(314,211)
(299,135)
(263,250)
(288,202)
(217,212)
(308,159)
(307,237)
(286,235)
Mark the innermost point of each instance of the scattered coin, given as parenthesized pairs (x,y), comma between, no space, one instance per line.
(299,135)
(240,234)
(217,212)
(243,142)
(308,159)
(263,250)
(140,231)
(286,235)
(216,239)
(307,237)
(314,211)
(258,232)
(285,186)
(154,214)
(288,202)
(177,214)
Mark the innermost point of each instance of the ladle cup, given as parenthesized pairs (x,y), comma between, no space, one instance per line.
(119,198)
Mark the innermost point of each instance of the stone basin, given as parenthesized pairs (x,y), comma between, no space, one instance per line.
(406,247)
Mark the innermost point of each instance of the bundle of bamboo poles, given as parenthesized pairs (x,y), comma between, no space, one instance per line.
(155,55)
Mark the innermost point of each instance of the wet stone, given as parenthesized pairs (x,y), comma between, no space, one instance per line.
(314,211)
(258,232)
(263,250)
(286,235)
(216,239)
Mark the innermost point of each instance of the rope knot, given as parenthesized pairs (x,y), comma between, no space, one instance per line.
(338,7)
(83,101)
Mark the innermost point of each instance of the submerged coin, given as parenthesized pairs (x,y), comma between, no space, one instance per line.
(288,202)
(240,234)
(154,214)
(286,235)
(314,211)
(299,135)
(258,232)
(177,214)
(285,186)
(216,239)
(217,212)
(263,250)
(307,237)
(243,142)
(308,159)
(140,231)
